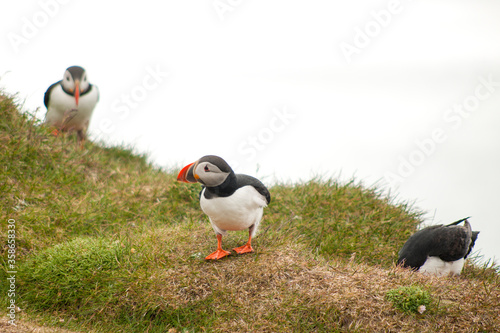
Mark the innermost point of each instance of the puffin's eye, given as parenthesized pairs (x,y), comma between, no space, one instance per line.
(67,78)
(206,168)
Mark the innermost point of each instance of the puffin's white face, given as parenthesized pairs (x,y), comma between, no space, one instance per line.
(209,174)
(69,82)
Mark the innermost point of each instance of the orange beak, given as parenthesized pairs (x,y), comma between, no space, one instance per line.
(187,174)
(77,91)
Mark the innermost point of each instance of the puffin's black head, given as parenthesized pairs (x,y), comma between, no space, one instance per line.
(209,170)
(472,242)
(75,81)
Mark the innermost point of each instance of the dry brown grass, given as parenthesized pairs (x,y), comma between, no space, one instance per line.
(28,327)
(288,290)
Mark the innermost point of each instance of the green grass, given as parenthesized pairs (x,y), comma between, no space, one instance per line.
(348,218)
(409,299)
(108,243)
(75,273)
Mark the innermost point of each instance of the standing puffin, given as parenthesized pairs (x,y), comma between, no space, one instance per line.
(70,102)
(439,250)
(231,201)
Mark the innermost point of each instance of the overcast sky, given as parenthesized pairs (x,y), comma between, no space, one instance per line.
(404,94)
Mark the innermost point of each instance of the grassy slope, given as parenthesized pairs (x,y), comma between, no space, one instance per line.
(108,243)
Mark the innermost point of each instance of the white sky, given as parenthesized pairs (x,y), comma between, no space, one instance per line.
(225,69)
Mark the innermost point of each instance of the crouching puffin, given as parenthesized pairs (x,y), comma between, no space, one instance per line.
(70,102)
(439,250)
(231,201)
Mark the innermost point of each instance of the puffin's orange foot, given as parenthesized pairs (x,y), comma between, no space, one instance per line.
(220,253)
(55,132)
(244,249)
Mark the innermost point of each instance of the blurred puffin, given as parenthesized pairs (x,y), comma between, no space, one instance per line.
(439,250)
(70,102)
(231,201)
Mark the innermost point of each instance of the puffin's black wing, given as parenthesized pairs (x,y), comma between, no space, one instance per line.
(244,180)
(415,251)
(46,97)
(459,221)
(462,238)
(451,242)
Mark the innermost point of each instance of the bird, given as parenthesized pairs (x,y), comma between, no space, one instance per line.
(439,249)
(71,102)
(231,201)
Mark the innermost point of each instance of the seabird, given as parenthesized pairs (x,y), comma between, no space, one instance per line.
(70,102)
(439,250)
(231,201)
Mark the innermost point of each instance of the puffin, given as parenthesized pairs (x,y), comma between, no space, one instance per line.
(71,102)
(439,249)
(231,201)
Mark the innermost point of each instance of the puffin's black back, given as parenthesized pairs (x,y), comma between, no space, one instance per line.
(449,243)
(415,251)
(234,182)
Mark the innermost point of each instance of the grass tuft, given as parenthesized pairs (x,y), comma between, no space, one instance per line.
(72,274)
(410,299)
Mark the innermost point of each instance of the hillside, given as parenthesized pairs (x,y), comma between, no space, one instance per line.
(105,242)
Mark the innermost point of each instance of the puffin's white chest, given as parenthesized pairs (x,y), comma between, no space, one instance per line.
(60,106)
(436,266)
(239,211)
